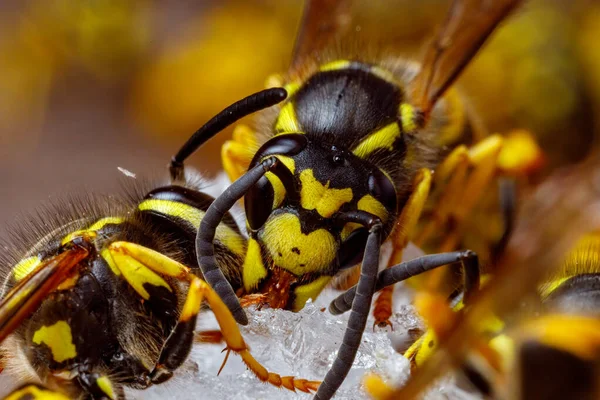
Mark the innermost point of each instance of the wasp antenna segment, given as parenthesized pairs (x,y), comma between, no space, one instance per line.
(206,234)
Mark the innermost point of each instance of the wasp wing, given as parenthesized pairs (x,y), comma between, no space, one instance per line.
(322,21)
(22,300)
(467,26)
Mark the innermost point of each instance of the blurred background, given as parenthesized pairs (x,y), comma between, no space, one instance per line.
(89,86)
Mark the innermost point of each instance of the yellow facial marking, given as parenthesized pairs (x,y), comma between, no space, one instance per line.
(59,340)
(371,205)
(25,267)
(408,117)
(287,121)
(381,139)
(193,216)
(137,274)
(315,195)
(253,270)
(294,251)
(278,189)
(288,162)
(335,65)
(106,386)
(309,291)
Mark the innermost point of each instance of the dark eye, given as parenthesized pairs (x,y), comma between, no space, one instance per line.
(258,203)
(353,249)
(382,189)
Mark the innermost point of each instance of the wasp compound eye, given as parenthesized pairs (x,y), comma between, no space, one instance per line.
(383,190)
(353,248)
(258,203)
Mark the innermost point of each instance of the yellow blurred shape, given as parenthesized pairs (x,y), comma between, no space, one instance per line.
(520,153)
(223,57)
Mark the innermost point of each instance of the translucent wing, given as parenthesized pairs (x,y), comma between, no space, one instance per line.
(467,26)
(22,300)
(322,22)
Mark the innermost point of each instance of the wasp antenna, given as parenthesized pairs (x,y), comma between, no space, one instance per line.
(360,306)
(206,234)
(251,104)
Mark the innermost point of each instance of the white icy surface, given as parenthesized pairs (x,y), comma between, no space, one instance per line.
(302,344)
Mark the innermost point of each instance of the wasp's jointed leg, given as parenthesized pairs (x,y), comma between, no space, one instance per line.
(405,227)
(408,269)
(125,255)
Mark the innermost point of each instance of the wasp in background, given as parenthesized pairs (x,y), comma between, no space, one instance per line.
(343,164)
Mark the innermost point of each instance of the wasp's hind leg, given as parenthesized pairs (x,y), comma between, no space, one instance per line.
(406,225)
(179,343)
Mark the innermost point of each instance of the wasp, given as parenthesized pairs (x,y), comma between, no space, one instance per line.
(107,293)
(549,349)
(343,163)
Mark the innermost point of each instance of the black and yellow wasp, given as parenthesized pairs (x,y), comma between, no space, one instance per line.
(343,164)
(108,295)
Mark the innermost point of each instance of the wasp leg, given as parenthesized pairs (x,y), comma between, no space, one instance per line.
(461,179)
(238,152)
(236,111)
(35,392)
(206,234)
(178,345)
(18,304)
(213,337)
(411,268)
(360,306)
(406,225)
